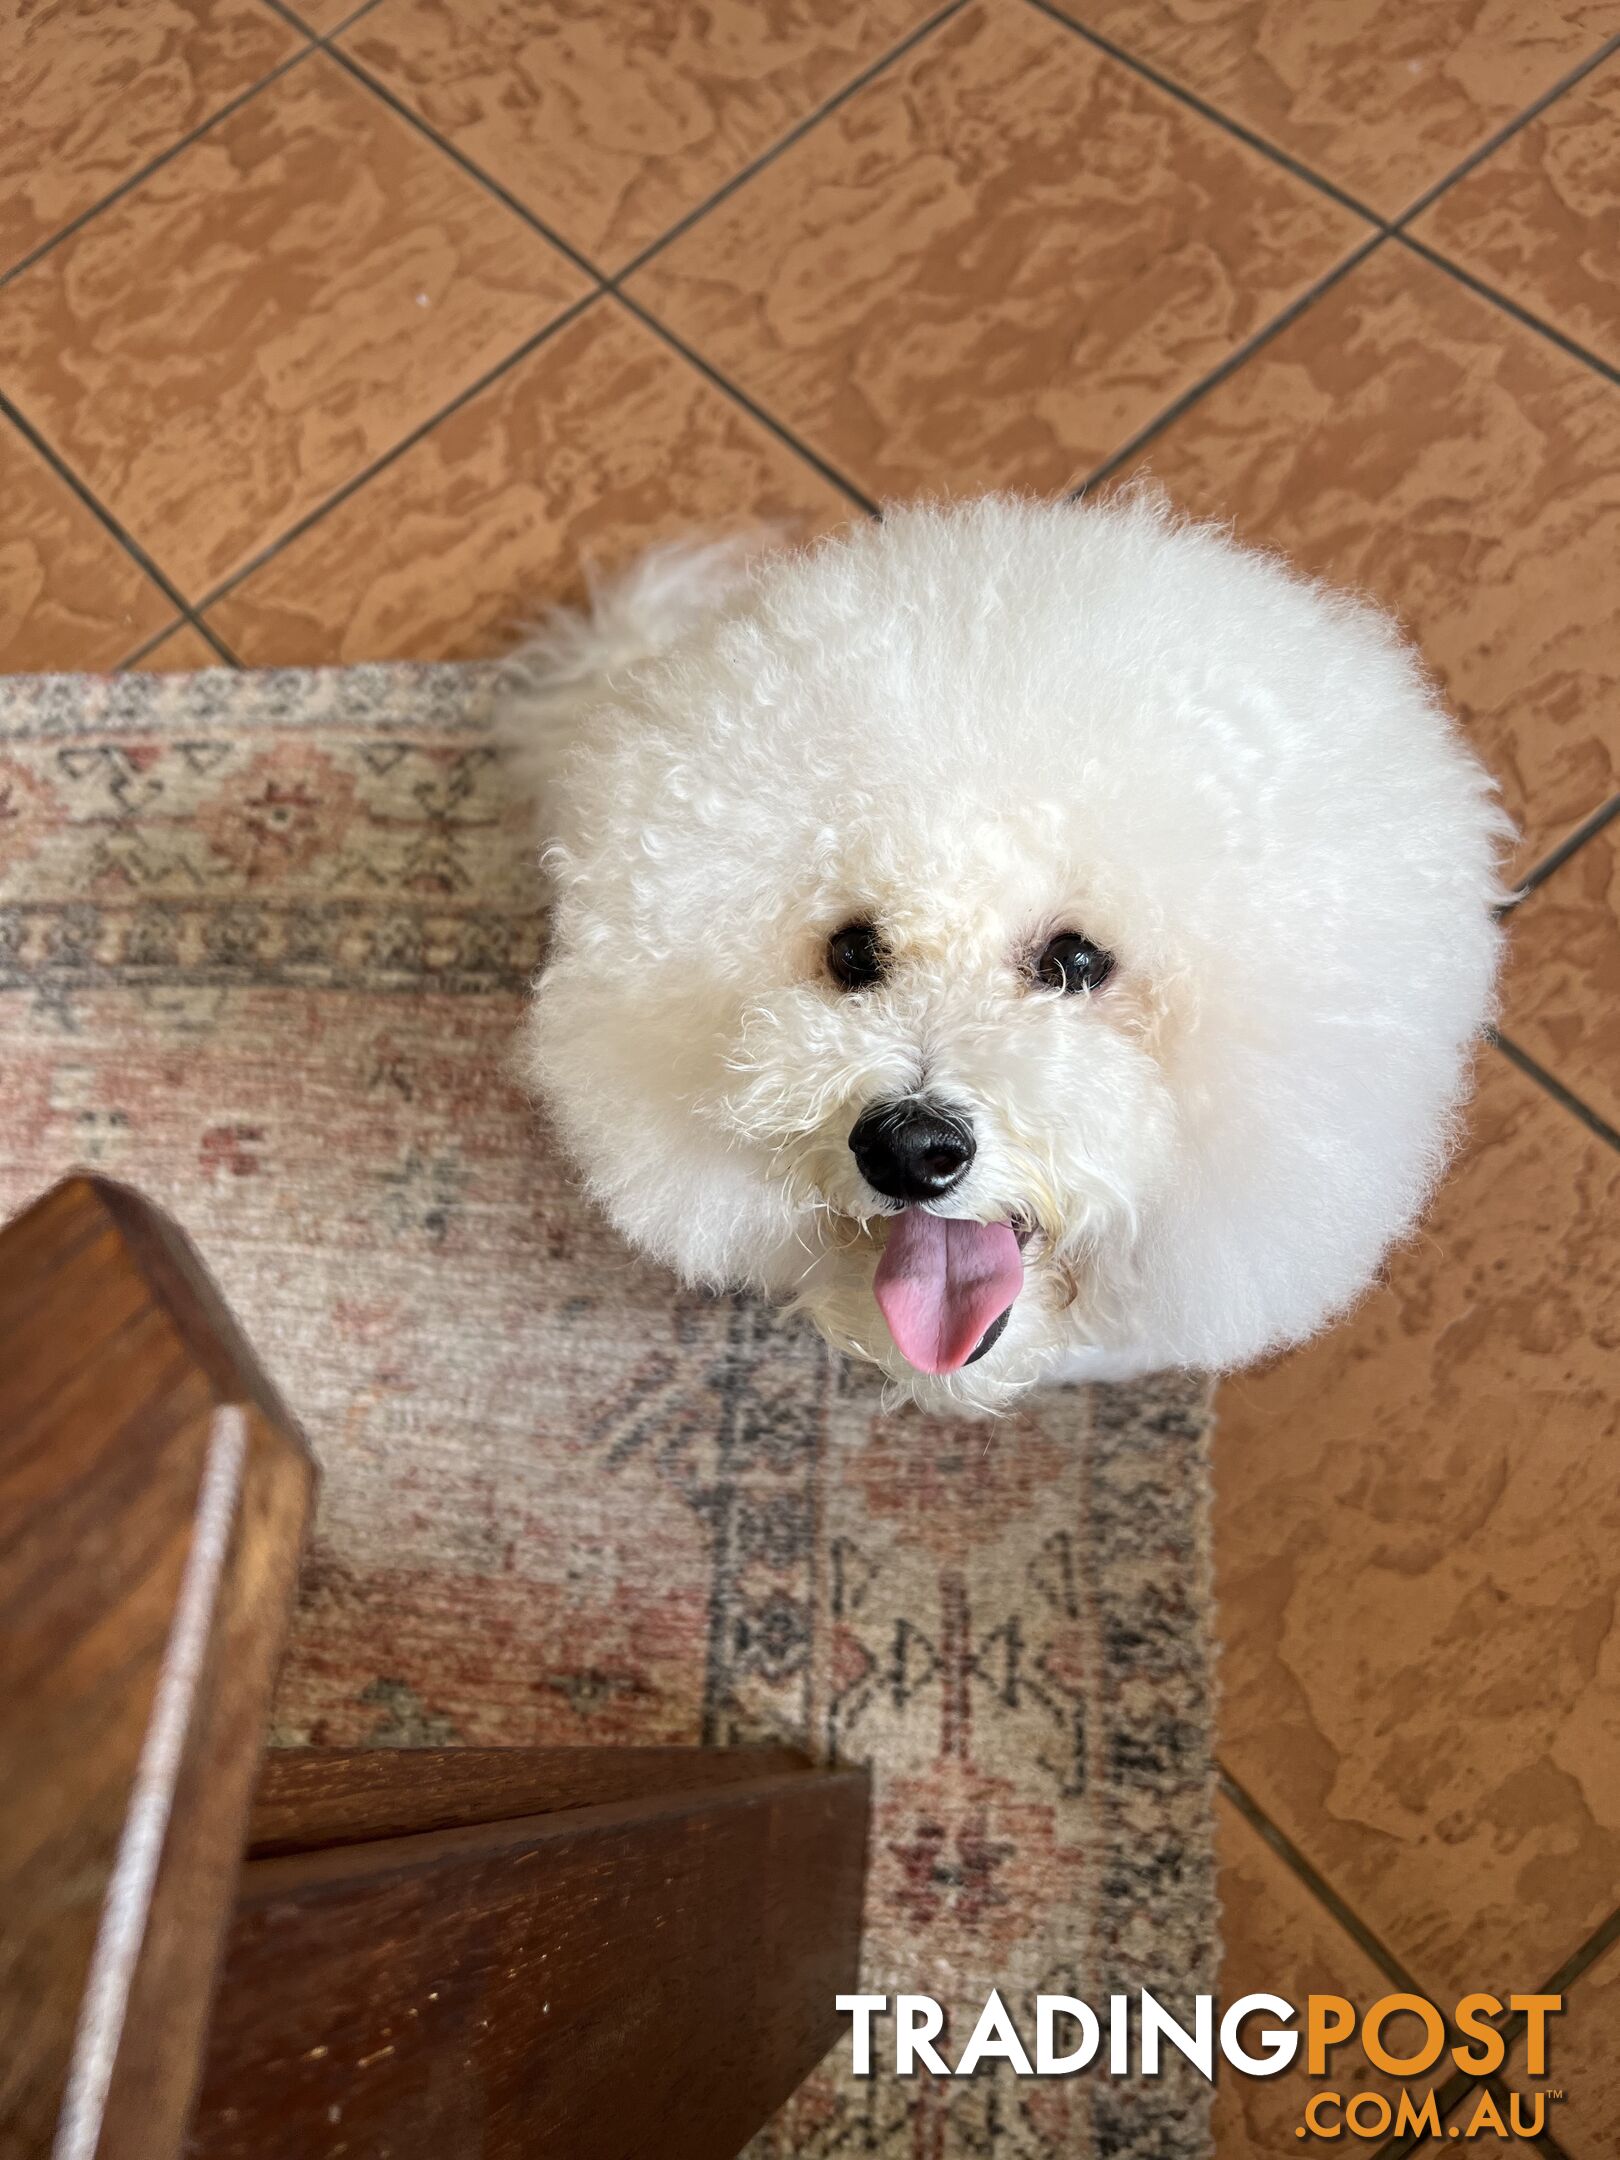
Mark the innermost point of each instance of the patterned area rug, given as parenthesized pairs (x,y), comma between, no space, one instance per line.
(263,942)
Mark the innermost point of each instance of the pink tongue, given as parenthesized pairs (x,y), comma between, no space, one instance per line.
(940,1284)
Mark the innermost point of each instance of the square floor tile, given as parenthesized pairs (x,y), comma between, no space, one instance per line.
(1561,1003)
(1418,1557)
(70,597)
(1384,97)
(993,264)
(1278,1939)
(1583,2062)
(90,93)
(611,123)
(1540,218)
(266,313)
(182,652)
(598,443)
(1407,438)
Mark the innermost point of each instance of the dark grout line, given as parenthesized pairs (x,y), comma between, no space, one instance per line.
(1579,1961)
(358,480)
(1571,844)
(766,419)
(187,621)
(151,644)
(1456,2089)
(610,285)
(1558,1983)
(1297,166)
(1520,314)
(1543,2142)
(188,612)
(799,129)
(164,157)
(212,637)
(1183,96)
(64,471)
(1322,1890)
(1382,228)
(321,37)
(286,15)
(486,181)
(1555,1088)
(193,611)
(602,285)
(131,547)
(1448,2097)
(1507,131)
(612,282)
(1229,366)
(1461,2082)
(531,344)
(1511,2028)
(1392,228)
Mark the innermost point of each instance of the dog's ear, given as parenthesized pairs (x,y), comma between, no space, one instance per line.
(567,669)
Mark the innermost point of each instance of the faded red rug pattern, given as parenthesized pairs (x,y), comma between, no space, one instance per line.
(263,942)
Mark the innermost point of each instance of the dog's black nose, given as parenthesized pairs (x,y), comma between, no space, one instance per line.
(911,1150)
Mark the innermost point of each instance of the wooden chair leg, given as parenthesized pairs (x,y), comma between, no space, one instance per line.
(497,1952)
(612,1976)
(308,1798)
(153,1496)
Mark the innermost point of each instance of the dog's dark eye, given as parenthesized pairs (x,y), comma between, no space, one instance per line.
(1071,962)
(855,956)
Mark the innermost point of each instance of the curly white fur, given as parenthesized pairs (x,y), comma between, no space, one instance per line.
(975,727)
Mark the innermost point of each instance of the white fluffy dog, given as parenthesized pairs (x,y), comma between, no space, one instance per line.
(1043,941)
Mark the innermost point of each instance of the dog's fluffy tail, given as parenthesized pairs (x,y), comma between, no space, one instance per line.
(554,680)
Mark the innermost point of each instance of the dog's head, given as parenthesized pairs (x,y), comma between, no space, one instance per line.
(961,1090)
(1018,932)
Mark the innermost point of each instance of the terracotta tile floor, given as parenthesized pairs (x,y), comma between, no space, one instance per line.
(335,332)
